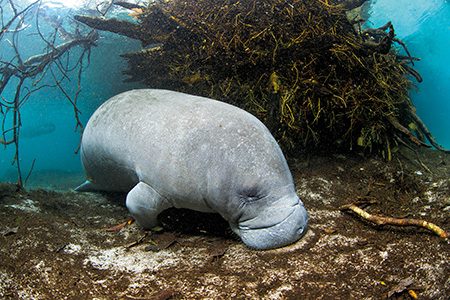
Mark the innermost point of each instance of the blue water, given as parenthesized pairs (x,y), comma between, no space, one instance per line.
(49,135)
(424,25)
(48,123)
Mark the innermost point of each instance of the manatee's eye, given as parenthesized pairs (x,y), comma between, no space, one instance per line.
(251,194)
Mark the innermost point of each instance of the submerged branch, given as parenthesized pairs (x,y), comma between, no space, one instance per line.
(6,27)
(128,5)
(38,62)
(300,66)
(35,68)
(382,220)
(121,27)
(428,134)
(406,132)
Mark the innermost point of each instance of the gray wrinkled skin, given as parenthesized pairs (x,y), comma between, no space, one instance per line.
(170,149)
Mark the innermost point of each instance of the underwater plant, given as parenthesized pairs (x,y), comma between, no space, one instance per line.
(311,74)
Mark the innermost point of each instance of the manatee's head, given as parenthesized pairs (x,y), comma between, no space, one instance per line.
(270,220)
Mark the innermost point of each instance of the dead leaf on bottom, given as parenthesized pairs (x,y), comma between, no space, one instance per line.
(120,226)
(162,241)
(217,251)
(401,287)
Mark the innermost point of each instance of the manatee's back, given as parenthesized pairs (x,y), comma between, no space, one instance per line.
(136,136)
(182,145)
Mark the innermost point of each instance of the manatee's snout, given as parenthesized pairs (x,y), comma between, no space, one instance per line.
(275,227)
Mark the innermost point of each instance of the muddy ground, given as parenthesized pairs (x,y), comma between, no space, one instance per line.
(55,245)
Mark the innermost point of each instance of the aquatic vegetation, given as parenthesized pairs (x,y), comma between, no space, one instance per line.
(315,78)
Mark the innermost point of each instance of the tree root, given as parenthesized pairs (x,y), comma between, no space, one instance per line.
(427,133)
(394,122)
(302,68)
(382,220)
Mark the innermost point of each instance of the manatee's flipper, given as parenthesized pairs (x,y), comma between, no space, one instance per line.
(145,204)
(87,186)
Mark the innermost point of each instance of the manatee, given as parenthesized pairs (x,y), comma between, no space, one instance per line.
(170,149)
